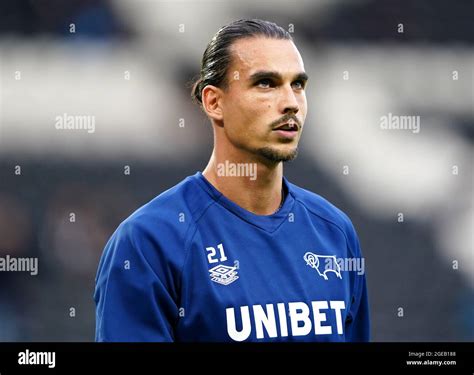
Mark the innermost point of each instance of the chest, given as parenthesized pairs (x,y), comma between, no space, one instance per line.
(243,283)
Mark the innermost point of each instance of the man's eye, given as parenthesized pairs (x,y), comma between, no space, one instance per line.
(299,84)
(264,83)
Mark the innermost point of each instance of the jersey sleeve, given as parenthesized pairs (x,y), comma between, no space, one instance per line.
(135,301)
(358,329)
(358,324)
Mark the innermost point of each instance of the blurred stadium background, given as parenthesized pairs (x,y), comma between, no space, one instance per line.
(129,63)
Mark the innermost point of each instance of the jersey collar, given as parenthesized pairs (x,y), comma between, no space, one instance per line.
(268,223)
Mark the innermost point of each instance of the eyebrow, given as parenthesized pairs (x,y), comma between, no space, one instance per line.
(257,76)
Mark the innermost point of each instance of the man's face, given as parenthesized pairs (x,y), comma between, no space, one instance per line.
(266,90)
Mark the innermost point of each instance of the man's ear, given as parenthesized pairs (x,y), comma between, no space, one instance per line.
(211,102)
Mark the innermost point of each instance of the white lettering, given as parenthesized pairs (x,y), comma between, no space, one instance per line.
(282,318)
(302,316)
(267,320)
(37,358)
(327,318)
(337,306)
(320,317)
(231,328)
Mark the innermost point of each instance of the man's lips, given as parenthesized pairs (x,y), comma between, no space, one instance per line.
(287,130)
(288,126)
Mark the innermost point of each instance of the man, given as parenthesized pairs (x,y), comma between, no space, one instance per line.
(238,253)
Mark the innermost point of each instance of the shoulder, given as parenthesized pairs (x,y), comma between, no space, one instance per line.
(174,210)
(156,234)
(164,223)
(324,210)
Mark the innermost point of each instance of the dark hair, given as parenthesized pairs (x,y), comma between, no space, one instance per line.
(216,58)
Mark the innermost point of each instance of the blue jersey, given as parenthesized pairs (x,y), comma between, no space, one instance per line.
(191,265)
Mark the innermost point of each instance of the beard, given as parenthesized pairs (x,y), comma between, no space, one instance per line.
(276,156)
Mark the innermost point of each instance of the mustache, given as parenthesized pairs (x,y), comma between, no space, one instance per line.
(285,119)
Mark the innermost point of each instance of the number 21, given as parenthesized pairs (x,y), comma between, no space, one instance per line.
(212,253)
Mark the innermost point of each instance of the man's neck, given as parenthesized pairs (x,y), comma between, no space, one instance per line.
(260,193)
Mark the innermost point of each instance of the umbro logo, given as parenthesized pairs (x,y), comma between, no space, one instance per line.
(223,274)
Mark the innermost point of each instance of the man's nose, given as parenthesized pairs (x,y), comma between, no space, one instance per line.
(289,103)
